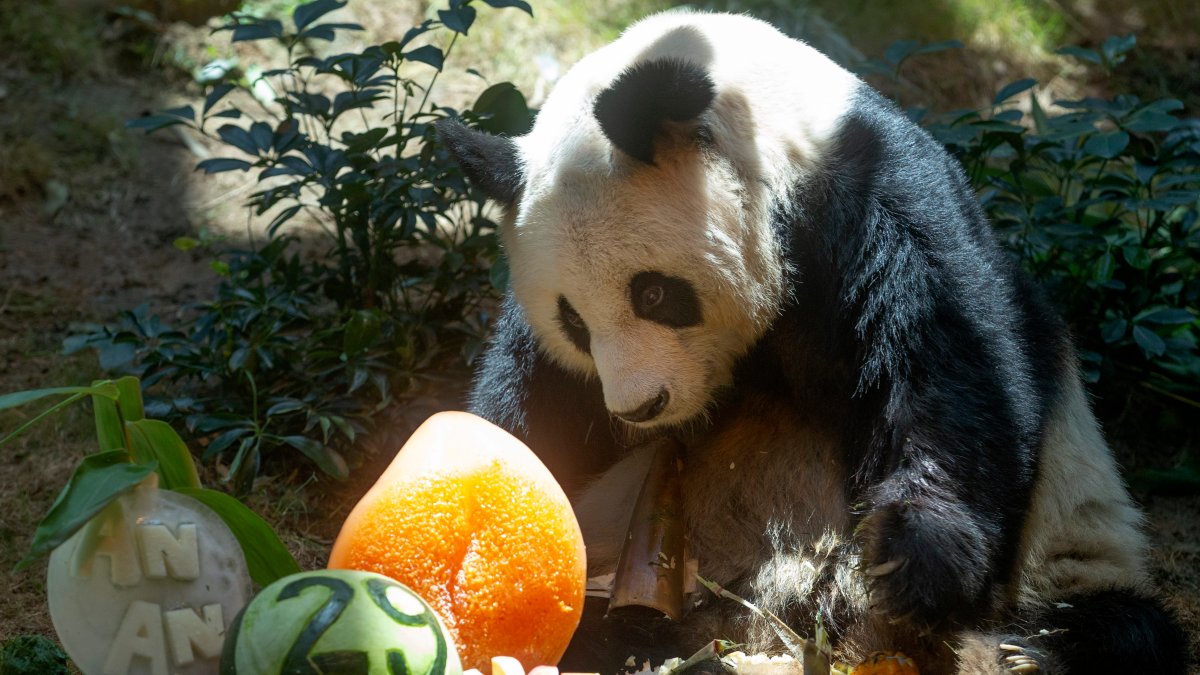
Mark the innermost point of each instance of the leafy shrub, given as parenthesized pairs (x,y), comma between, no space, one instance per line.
(1101,202)
(301,354)
(30,655)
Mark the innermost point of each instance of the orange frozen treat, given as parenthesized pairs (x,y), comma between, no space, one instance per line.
(469,518)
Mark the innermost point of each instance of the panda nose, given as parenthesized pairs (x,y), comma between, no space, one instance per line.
(648,410)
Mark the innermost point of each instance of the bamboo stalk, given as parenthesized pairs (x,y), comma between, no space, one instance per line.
(650,572)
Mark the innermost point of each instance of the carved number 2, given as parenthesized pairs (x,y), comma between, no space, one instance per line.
(299,661)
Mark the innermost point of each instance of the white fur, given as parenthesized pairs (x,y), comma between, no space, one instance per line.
(1083,532)
(590,218)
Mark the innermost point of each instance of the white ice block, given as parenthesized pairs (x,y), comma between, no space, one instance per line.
(148,587)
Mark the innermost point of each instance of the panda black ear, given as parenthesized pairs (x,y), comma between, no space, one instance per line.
(490,161)
(631,111)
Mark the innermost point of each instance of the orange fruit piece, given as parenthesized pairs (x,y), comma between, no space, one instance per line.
(886,663)
(469,518)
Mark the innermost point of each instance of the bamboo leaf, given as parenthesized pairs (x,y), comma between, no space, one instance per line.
(99,479)
(130,401)
(105,388)
(155,438)
(266,556)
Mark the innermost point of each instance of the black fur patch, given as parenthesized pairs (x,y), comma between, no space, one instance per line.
(632,110)
(490,161)
(573,326)
(1113,631)
(677,307)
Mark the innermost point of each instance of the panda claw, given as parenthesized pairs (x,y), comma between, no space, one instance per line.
(1021,661)
(885,568)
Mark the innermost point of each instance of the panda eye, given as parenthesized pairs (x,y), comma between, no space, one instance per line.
(573,326)
(670,301)
(652,296)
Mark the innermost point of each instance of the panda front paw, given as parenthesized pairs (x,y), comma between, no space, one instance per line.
(999,654)
(1020,658)
(925,563)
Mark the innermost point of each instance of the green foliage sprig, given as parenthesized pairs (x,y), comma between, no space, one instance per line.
(1101,202)
(131,447)
(301,354)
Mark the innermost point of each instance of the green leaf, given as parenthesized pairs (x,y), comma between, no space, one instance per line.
(427,54)
(110,430)
(498,274)
(305,14)
(266,556)
(326,458)
(506,110)
(239,138)
(106,389)
(1105,266)
(1041,123)
(1150,122)
(76,393)
(364,141)
(155,438)
(1114,330)
(458,19)
(519,4)
(1136,256)
(328,31)
(115,355)
(221,164)
(1010,90)
(1115,47)
(900,50)
(223,441)
(361,331)
(151,123)
(184,112)
(258,29)
(1107,145)
(130,400)
(1152,345)
(98,480)
(285,406)
(218,92)
(282,218)
(1167,316)
(942,46)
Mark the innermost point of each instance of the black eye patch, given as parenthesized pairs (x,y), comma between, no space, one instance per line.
(670,301)
(573,326)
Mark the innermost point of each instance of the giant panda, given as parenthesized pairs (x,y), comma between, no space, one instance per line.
(719,236)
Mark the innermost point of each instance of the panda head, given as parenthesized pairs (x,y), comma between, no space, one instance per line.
(638,221)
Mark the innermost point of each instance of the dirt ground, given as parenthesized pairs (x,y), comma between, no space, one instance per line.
(86,230)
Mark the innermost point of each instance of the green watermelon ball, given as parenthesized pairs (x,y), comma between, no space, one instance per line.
(338,622)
